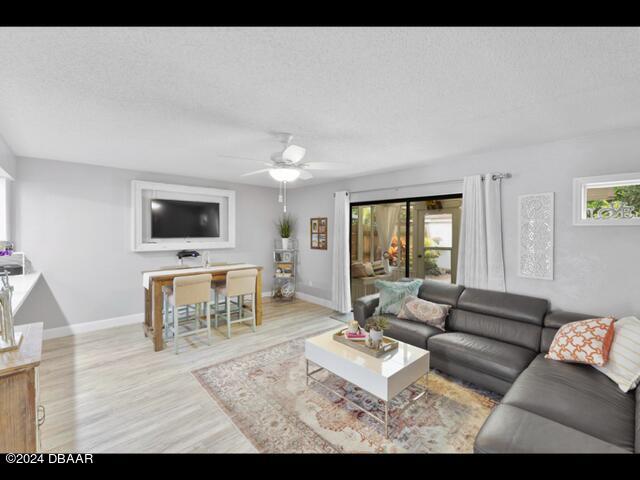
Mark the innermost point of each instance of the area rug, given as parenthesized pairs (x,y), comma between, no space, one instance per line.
(266,396)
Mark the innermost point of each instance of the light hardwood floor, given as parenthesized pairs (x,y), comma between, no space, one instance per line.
(108,391)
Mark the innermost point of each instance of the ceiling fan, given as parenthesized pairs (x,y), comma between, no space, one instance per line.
(287,165)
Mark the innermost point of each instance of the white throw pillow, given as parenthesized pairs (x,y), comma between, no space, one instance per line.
(623,366)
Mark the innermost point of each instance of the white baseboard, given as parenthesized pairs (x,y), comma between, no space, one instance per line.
(134,318)
(312,299)
(84,327)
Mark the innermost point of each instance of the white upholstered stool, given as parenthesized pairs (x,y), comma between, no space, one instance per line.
(239,283)
(188,290)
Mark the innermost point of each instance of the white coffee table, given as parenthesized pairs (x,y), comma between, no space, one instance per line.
(384,377)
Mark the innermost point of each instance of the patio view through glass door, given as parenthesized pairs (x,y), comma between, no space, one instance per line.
(378,245)
(393,239)
(436,230)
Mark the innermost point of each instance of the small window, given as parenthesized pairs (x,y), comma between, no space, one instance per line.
(5,234)
(607,200)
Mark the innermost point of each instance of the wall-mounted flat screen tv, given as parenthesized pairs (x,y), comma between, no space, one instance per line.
(184,219)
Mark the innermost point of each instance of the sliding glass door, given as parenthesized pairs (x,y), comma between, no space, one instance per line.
(378,245)
(392,239)
(435,231)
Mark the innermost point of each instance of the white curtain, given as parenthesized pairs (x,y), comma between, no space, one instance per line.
(340,285)
(386,223)
(480,257)
(493,215)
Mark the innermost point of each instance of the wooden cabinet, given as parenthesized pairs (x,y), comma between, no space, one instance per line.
(20,411)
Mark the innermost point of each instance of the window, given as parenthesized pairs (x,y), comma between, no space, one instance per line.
(607,200)
(4,208)
(409,238)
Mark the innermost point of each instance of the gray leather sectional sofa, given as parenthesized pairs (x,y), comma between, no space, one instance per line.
(498,342)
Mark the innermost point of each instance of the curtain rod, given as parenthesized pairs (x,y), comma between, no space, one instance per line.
(494,176)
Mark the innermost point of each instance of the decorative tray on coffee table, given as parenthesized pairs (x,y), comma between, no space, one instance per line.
(388,344)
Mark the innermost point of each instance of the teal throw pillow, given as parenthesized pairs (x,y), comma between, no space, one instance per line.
(392,294)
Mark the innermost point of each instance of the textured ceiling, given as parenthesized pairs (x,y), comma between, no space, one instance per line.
(174,99)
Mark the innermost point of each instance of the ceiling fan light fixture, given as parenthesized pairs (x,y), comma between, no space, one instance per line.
(284,174)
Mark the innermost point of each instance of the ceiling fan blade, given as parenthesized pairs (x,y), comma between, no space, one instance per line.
(255,172)
(293,153)
(304,175)
(322,165)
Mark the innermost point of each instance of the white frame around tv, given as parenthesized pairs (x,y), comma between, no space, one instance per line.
(140,241)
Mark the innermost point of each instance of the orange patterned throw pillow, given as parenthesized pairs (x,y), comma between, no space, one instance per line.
(586,341)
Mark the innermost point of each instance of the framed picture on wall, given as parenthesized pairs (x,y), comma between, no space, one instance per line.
(318,233)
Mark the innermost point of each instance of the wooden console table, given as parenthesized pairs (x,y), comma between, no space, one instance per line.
(154,280)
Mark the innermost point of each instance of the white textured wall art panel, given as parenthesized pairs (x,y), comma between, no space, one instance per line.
(535,214)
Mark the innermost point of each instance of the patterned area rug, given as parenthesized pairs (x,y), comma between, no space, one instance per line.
(266,396)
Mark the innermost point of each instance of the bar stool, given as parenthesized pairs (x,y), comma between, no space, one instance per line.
(188,290)
(218,284)
(239,283)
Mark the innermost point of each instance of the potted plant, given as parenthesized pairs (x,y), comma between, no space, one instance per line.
(375,327)
(285,228)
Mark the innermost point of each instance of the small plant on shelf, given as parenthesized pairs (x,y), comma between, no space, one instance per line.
(285,226)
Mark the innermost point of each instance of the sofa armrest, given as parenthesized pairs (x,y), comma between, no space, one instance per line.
(364,307)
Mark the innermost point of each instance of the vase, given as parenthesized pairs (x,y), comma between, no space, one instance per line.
(285,244)
(375,338)
(354,327)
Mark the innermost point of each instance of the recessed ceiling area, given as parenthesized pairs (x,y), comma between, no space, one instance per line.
(179,100)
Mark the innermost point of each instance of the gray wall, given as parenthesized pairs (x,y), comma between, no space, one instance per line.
(74,222)
(596,268)
(7,160)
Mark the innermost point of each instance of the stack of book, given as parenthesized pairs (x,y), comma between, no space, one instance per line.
(360,335)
